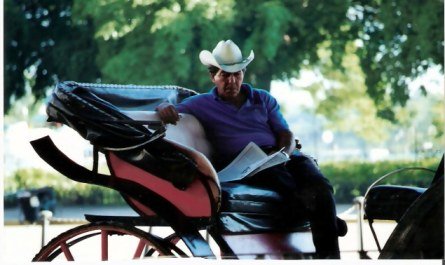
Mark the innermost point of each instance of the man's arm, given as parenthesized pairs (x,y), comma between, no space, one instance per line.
(168,113)
(286,139)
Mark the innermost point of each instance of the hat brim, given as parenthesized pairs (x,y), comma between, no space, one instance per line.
(208,59)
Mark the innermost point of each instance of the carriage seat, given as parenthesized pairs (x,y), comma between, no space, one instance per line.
(187,132)
(390,202)
(244,208)
(96,112)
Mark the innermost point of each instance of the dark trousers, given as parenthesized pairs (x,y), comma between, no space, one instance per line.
(301,180)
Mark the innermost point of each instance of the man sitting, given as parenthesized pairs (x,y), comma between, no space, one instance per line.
(233,114)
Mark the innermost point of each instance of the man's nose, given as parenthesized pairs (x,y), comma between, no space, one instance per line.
(232,78)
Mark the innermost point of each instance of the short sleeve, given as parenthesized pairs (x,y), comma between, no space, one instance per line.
(275,118)
(186,106)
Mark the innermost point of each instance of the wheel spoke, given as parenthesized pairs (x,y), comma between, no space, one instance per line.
(104,244)
(66,251)
(78,238)
(139,249)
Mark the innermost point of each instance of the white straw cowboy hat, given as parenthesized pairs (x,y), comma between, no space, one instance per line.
(226,56)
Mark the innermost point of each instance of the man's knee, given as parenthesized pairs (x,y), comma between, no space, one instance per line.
(298,157)
(307,173)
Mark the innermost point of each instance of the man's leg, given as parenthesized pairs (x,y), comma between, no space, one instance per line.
(316,194)
(302,181)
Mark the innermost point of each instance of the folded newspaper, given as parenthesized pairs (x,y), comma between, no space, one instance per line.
(250,161)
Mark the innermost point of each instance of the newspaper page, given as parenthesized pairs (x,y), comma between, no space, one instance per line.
(250,161)
(274,159)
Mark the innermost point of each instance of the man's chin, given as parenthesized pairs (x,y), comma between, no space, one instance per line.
(231,91)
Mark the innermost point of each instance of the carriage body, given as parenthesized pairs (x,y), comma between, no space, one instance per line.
(165,174)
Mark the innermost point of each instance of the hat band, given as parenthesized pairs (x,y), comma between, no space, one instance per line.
(229,64)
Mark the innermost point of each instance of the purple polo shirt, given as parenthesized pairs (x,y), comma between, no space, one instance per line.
(230,129)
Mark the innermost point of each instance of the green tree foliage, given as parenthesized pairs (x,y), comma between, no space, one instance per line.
(158,42)
(42,37)
(401,40)
(153,42)
(425,128)
(341,97)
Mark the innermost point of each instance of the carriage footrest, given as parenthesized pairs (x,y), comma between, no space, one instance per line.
(290,245)
(130,220)
(140,221)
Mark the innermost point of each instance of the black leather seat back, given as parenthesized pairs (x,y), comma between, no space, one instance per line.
(95,111)
(390,202)
(134,97)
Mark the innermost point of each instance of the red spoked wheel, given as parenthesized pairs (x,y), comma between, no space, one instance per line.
(106,241)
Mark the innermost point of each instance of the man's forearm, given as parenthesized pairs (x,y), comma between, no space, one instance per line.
(286,139)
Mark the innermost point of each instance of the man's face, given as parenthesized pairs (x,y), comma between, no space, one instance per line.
(228,84)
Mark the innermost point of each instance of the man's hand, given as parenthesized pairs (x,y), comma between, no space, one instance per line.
(168,113)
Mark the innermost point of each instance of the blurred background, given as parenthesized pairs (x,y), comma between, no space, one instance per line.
(359,81)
